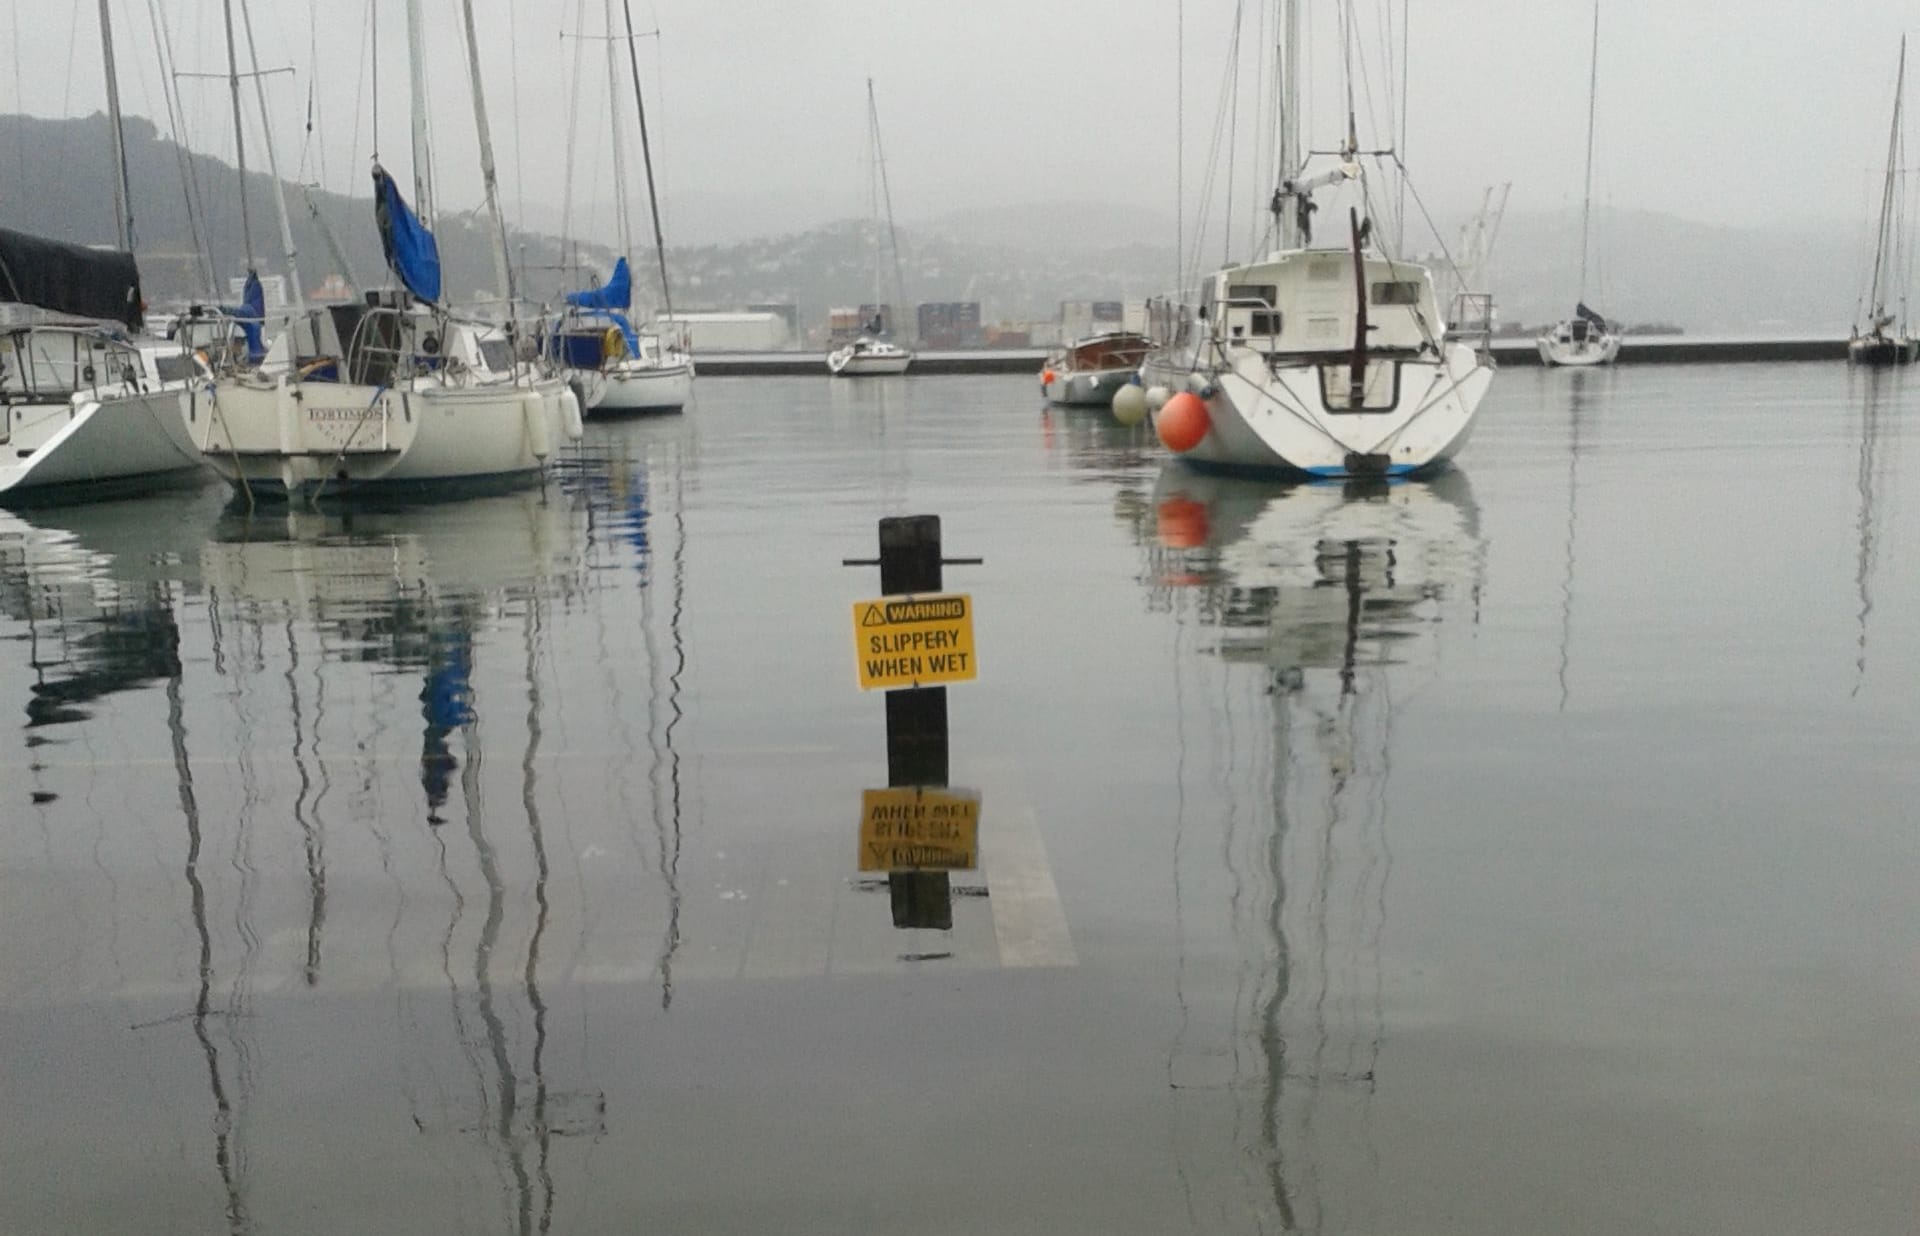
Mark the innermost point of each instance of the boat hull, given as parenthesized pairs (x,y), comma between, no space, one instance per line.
(633,389)
(1882,352)
(1278,418)
(290,438)
(104,446)
(1578,353)
(864,359)
(1086,388)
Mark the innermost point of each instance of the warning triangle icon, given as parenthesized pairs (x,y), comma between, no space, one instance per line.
(873,617)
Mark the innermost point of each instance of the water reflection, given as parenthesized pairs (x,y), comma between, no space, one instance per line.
(328,842)
(1335,599)
(1869,480)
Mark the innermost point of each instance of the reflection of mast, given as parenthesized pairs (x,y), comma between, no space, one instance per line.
(1576,403)
(1863,567)
(225,1161)
(672,868)
(529,800)
(308,818)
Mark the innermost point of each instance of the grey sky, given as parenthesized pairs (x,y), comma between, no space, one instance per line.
(1761,111)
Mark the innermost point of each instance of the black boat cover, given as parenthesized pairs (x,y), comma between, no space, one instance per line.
(71,279)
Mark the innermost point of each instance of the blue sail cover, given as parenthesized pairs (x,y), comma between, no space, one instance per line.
(411,251)
(250,315)
(616,293)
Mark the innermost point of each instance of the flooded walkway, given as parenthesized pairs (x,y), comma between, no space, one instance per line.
(1526,850)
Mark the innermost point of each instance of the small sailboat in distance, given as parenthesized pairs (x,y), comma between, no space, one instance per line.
(1586,338)
(1886,340)
(874,352)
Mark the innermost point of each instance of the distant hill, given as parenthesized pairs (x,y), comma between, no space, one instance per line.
(1019,261)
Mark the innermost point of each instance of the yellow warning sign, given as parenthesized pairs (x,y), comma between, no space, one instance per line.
(919,829)
(914,641)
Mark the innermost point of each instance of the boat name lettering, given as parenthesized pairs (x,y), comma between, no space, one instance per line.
(337,414)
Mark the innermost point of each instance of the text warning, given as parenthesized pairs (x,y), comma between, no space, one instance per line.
(914,641)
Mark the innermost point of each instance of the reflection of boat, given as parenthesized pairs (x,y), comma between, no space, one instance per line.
(1319,599)
(1090,370)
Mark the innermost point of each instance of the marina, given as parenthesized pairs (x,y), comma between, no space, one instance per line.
(1210,703)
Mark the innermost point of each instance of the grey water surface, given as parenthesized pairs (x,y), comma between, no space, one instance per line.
(1532,849)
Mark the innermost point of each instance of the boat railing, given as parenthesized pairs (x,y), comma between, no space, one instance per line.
(57,363)
(1470,320)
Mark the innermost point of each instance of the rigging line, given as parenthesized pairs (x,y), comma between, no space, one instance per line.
(1222,106)
(19,103)
(1233,136)
(1400,136)
(513,78)
(573,116)
(646,157)
(1179,145)
(183,158)
(239,138)
(1586,198)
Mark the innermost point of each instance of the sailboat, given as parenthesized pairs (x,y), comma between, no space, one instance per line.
(613,367)
(88,407)
(874,352)
(1885,340)
(398,392)
(1586,338)
(1329,361)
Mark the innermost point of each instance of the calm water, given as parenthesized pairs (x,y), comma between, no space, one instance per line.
(1531,850)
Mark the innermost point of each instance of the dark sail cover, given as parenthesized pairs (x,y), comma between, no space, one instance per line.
(72,279)
(411,250)
(616,293)
(1580,310)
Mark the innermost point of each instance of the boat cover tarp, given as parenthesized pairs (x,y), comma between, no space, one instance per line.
(1580,310)
(411,250)
(88,283)
(615,293)
(250,315)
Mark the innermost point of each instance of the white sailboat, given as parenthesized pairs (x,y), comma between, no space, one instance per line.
(874,352)
(399,391)
(1328,361)
(1586,338)
(87,408)
(613,366)
(1886,339)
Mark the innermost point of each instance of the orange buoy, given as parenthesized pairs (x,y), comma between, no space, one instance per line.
(1183,422)
(1182,523)
(1046,377)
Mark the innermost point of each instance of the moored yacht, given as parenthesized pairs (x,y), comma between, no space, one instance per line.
(1089,370)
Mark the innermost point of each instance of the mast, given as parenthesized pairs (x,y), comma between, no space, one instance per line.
(646,155)
(1586,198)
(239,136)
(502,261)
(620,201)
(422,155)
(288,253)
(122,191)
(1288,231)
(1881,242)
(873,203)
(886,199)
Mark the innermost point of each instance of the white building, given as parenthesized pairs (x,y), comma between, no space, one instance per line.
(730,332)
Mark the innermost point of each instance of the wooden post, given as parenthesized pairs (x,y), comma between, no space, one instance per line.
(916,717)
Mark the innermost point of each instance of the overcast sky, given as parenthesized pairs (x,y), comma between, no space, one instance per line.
(1766,110)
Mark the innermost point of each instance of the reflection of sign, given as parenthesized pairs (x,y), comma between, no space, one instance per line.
(917,829)
(914,641)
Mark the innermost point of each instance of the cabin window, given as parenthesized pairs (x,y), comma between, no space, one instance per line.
(497,354)
(173,367)
(1261,293)
(1397,292)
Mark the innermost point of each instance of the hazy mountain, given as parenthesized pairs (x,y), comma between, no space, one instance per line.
(1018,261)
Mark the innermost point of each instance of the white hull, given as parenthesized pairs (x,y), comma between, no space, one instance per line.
(866,359)
(1278,419)
(631,388)
(289,437)
(51,450)
(1597,349)
(1092,387)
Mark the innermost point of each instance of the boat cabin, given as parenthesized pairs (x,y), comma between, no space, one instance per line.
(1302,302)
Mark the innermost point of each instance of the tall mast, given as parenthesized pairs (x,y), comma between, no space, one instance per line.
(239,137)
(1881,242)
(288,253)
(873,202)
(502,260)
(122,191)
(422,153)
(886,200)
(646,155)
(1288,120)
(620,200)
(1586,199)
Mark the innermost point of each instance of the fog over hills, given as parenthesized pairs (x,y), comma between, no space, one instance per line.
(1018,260)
